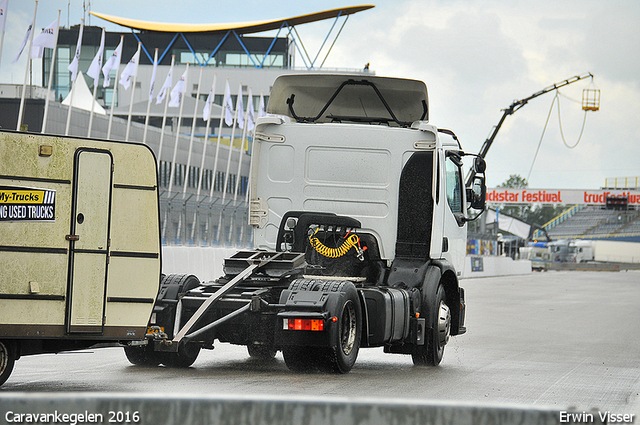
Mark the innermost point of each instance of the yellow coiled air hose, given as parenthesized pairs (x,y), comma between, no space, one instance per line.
(322,249)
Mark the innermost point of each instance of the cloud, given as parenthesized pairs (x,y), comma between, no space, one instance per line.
(476,57)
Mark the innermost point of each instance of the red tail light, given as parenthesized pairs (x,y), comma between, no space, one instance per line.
(303,324)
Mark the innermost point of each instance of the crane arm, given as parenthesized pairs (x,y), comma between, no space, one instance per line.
(517,104)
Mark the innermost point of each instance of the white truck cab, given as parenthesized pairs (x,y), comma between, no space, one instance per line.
(400,178)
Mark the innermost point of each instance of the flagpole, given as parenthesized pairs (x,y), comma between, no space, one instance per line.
(204,152)
(71,95)
(175,146)
(164,114)
(115,93)
(153,81)
(95,92)
(233,135)
(53,61)
(73,80)
(261,113)
(4,21)
(206,136)
(193,130)
(215,161)
(95,84)
(249,119)
(26,70)
(133,92)
(244,134)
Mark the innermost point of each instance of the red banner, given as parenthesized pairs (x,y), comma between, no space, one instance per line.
(501,195)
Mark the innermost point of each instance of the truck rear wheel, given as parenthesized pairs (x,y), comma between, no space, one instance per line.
(437,335)
(7,360)
(343,352)
(185,356)
(142,355)
(262,352)
(300,359)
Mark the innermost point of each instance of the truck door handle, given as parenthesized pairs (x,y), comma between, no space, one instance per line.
(72,237)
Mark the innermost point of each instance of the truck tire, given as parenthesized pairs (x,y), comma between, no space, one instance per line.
(437,333)
(7,360)
(301,359)
(142,355)
(343,352)
(261,352)
(185,356)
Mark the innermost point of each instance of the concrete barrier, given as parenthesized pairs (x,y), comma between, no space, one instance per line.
(206,263)
(476,266)
(158,409)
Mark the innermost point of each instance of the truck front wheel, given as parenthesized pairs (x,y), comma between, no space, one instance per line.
(7,360)
(437,335)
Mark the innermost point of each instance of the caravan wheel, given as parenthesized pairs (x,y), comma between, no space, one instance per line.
(7,360)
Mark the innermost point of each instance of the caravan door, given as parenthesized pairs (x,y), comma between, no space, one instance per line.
(89,241)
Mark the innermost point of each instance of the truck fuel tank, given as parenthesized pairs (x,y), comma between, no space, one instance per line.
(387,314)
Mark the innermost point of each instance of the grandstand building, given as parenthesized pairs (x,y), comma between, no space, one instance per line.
(203,175)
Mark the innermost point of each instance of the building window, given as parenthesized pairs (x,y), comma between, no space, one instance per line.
(231,183)
(244,182)
(164,173)
(194,176)
(219,183)
(179,174)
(202,57)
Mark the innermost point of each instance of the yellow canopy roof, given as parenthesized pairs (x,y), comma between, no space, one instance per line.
(239,27)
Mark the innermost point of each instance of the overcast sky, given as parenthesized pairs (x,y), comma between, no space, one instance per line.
(476,57)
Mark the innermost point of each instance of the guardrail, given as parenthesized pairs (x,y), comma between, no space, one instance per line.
(158,409)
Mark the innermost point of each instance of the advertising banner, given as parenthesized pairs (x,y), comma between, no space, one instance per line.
(501,195)
(27,204)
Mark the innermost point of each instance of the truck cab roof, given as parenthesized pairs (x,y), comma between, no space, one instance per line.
(321,98)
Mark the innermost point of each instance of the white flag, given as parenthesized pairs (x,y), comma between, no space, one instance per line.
(178,91)
(73,66)
(112,62)
(96,64)
(261,110)
(168,82)
(3,13)
(24,43)
(130,69)
(251,119)
(153,77)
(228,106)
(206,112)
(47,38)
(240,108)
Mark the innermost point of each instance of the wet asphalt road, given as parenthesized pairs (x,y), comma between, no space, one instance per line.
(553,339)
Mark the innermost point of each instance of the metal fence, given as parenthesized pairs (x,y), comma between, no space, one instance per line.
(205,221)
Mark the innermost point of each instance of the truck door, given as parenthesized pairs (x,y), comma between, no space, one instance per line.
(89,241)
(454,227)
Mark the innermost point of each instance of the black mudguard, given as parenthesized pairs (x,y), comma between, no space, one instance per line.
(311,298)
(427,276)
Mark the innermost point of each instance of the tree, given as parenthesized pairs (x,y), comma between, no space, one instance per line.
(522,212)
(515,181)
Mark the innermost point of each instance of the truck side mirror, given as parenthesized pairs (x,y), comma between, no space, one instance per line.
(477,193)
(480,165)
